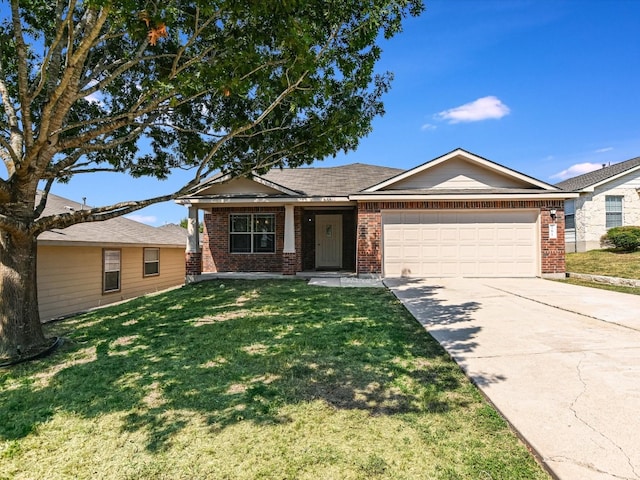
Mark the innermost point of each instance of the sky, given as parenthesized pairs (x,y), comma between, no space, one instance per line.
(548,88)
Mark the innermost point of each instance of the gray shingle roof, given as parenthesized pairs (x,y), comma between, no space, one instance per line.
(597,176)
(119,230)
(331,181)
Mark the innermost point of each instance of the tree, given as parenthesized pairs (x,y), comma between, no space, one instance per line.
(185,222)
(146,87)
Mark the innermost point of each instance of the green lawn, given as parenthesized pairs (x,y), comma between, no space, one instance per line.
(610,263)
(251,380)
(605,262)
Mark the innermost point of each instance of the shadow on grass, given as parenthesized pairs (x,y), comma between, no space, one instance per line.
(232,352)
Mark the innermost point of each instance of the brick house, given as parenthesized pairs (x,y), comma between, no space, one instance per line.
(456,215)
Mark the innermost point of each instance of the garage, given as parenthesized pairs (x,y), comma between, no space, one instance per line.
(452,243)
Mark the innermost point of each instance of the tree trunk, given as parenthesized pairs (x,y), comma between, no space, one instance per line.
(20,328)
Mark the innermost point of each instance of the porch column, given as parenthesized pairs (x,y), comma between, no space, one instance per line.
(193,256)
(289,250)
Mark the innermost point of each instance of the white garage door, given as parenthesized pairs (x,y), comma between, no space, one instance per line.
(460,244)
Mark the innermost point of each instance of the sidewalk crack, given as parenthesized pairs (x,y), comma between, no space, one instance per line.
(572,407)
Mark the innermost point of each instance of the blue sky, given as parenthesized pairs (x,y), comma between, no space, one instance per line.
(548,88)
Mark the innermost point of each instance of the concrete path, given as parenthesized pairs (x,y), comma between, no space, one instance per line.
(560,362)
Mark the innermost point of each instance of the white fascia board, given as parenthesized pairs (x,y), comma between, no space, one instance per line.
(279,201)
(514,196)
(81,243)
(471,157)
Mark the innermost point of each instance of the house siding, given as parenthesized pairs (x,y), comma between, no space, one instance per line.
(369,239)
(70,277)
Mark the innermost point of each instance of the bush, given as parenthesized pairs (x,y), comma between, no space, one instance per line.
(623,238)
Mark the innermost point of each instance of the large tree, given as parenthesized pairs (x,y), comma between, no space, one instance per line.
(146,87)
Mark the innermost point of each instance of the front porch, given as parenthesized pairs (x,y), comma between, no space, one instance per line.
(275,239)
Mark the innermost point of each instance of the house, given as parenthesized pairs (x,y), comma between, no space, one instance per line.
(457,215)
(92,264)
(608,197)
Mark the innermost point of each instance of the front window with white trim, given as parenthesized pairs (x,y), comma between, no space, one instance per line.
(151,262)
(111,271)
(613,208)
(252,233)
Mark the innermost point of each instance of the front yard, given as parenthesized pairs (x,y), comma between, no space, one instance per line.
(610,263)
(247,380)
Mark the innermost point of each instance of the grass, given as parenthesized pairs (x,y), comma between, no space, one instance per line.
(610,263)
(251,380)
(605,262)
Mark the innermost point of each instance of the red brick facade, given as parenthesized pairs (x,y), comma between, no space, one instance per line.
(552,251)
(193,262)
(217,258)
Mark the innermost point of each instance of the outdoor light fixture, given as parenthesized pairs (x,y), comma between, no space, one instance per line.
(552,212)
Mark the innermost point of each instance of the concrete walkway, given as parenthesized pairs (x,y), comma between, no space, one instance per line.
(560,362)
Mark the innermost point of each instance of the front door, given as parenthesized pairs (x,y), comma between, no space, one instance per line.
(328,241)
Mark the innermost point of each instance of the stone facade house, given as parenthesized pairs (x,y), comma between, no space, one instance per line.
(457,215)
(608,197)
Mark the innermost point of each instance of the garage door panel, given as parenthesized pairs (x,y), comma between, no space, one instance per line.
(432,244)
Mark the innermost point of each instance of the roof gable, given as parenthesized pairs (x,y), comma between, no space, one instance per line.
(589,181)
(242,186)
(460,170)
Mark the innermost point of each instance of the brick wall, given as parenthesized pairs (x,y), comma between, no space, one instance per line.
(553,250)
(193,261)
(369,247)
(215,244)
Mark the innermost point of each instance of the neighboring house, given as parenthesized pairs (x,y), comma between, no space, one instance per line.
(457,215)
(92,264)
(609,197)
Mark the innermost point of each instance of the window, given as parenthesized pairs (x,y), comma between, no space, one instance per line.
(613,208)
(151,261)
(252,233)
(569,214)
(111,268)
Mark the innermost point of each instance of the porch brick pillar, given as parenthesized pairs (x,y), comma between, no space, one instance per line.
(289,257)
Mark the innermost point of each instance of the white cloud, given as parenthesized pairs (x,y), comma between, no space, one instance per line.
(484,108)
(602,150)
(148,219)
(577,169)
(427,126)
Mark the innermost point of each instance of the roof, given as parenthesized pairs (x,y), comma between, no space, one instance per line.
(331,181)
(115,231)
(318,181)
(358,181)
(599,176)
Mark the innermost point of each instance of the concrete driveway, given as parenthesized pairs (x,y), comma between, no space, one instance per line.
(561,362)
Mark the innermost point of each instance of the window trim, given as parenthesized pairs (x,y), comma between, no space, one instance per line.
(105,271)
(252,233)
(611,213)
(145,262)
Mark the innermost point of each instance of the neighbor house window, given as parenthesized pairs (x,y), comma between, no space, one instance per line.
(569,214)
(613,207)
(252,233)
(151,261)
(111,268)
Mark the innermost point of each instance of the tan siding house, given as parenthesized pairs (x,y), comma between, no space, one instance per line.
(77,271)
